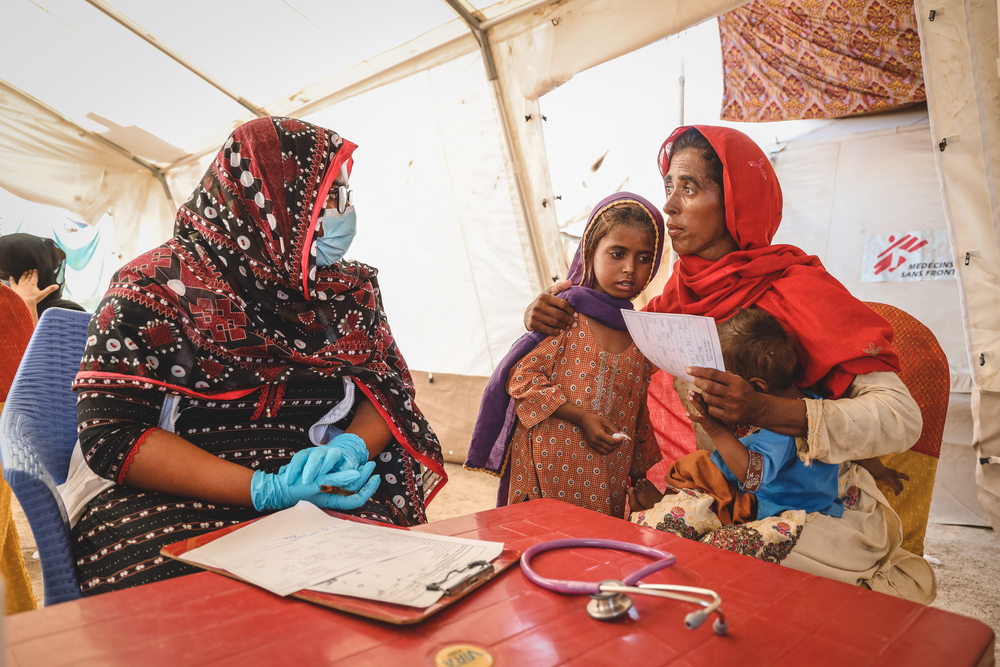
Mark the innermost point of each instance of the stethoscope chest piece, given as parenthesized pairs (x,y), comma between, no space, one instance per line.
(609,606)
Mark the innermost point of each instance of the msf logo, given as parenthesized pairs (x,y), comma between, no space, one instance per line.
(898,253)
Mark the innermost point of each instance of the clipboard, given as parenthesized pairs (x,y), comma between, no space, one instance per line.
(387,612)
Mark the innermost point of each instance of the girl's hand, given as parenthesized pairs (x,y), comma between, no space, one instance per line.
(597,431)
(643,495)
(27,287)
(728,397)
(549,314)
(702,416)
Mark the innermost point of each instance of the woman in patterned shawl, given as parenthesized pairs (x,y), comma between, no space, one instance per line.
(216,357)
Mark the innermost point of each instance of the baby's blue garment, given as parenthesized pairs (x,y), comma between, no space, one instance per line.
(786,482)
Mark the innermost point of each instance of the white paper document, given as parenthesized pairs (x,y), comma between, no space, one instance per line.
(404,579)
(673,342)
(304,548)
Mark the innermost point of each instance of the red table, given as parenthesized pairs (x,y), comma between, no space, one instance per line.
(777,616)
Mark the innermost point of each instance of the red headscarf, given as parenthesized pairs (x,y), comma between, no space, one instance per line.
(838,336)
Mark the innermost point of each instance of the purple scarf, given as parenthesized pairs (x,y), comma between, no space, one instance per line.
(497,412)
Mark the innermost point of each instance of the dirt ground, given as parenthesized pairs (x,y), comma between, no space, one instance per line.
(968,578)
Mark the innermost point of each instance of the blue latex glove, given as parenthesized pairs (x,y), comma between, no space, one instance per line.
(345,452)
(353,448)
(364,486)
(288,486)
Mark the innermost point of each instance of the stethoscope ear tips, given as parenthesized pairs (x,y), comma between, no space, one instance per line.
(694,620)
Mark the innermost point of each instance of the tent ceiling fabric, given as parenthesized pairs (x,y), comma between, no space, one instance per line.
(308,41)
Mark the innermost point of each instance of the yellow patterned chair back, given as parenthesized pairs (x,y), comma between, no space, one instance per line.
(925,373)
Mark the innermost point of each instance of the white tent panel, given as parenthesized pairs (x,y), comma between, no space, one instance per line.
(585,33)
(955,489)
(960,51)
(962,82)
(437,215)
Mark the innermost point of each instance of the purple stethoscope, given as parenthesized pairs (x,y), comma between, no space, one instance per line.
(608,598)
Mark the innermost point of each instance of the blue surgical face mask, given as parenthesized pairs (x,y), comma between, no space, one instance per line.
(338,232)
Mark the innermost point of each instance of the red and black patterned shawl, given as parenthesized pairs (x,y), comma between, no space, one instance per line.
(235,300)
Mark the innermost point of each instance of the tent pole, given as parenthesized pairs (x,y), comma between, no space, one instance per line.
(543,276)
(514,13)
(479,33)
(166,188)
(150,39)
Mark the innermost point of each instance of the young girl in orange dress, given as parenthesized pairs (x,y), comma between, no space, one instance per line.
(565,416)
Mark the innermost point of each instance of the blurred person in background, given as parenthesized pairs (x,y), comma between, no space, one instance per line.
(34,268)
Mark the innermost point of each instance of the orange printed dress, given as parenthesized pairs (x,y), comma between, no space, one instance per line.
(548,457)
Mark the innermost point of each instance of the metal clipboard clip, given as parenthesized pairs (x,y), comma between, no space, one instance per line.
(481,571)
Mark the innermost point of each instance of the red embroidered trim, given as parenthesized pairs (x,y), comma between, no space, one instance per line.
(279,393)
(120,478)
(97,379)
(262,403)
(344,153)
(755,472)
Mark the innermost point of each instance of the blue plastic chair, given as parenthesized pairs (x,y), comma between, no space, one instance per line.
(37,436)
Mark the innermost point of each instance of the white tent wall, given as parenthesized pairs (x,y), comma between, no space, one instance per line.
(438,216)
(840,189)
(576,35)
(959,44)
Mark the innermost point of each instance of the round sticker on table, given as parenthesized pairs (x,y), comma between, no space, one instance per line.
(465,655)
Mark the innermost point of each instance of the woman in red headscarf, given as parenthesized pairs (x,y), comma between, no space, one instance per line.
(724,206)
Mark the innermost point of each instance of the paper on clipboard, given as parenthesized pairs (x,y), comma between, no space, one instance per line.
(674,342)
(404,579)
(304,548)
